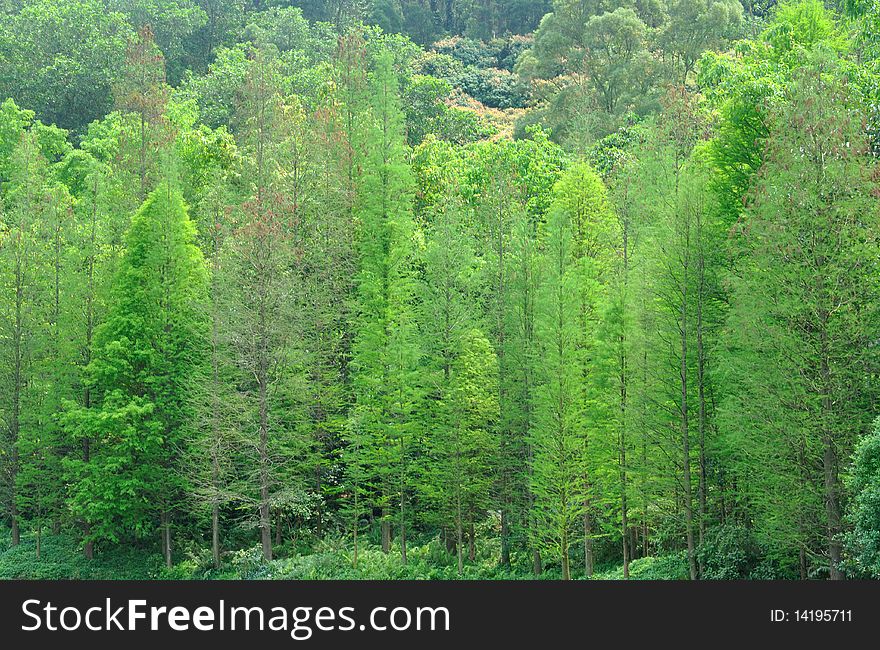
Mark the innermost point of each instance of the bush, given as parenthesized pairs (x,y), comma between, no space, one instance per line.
(728,553)
(494,88)
(482,70)
(664,567)
(62,558)
(863,542)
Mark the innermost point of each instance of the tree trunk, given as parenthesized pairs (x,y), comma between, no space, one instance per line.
(265,522)
(385,525)
(701,381)
(355,526)
(16,533)
(403,543)
(215,535)
(624,523)
(566,569)
(505,540)
(15,415)
(685,440)
(588,542)
(829,464)
(832,510)
(165,522)
(459,543)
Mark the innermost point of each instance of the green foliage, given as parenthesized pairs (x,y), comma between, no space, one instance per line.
(61,558)
(146,349)
(395,289)
(666,567)
(864,509)
(61,58)
(802,313)
(728,553)
(385,352)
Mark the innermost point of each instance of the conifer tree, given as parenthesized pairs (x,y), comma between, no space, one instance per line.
(385,353)
(800,345)
(558,437)
(262,295)
(462,389)
(24,310)
(145,352)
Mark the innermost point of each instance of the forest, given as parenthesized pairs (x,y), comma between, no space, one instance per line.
(440,289)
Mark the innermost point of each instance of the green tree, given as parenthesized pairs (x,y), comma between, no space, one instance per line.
(695,26)
(864,508)
(145,352)
(799,345)
(558,436)
(24,312)
(61,58)
(385,352)
(462,381)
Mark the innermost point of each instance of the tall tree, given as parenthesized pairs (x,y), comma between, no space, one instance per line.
(799,343)
(142,92)
(25,308)
(385,353)
(153,338)
(462,386)
(262,273)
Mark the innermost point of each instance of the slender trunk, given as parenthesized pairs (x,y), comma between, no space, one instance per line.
(215,415)
(588,542)
(386,533)
(17,381)
(319,524)
(701,381)
(624,522)
(16,533)
(403,501)
(215,535)
(402,540)
(566,570)
(265,523)
(624,396)
(502,396)
(832,510)
(89,547)
(355,526)
(685,439)
(829,463)
(165,524)
(505,540)
(458,530)
(472,541)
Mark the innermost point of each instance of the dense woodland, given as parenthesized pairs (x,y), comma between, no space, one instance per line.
(439,289)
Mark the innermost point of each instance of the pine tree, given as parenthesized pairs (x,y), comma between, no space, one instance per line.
(24,312)
(145,352)
(385,353)
(462,387)
(261,269)
(94,258)
(558,436)
(800,353)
